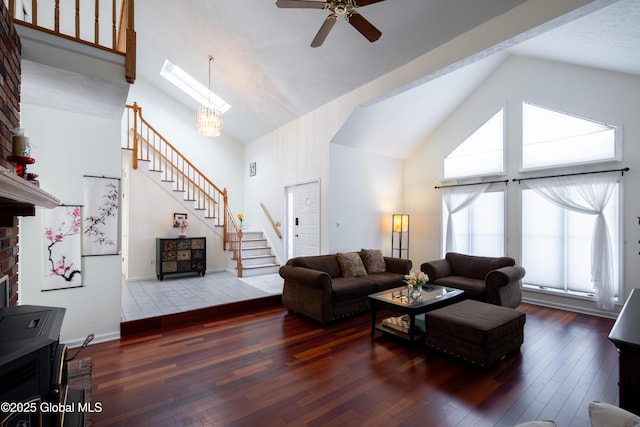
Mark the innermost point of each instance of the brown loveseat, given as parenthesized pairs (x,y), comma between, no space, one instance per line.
(487,279)
(327,287)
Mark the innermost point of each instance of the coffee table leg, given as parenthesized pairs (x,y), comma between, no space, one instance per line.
(412,327)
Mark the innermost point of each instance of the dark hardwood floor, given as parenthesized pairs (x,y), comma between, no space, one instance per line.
(271,368)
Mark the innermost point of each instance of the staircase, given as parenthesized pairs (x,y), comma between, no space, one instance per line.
(249,251)
(257,256)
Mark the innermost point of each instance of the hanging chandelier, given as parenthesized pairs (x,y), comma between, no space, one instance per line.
(209,120)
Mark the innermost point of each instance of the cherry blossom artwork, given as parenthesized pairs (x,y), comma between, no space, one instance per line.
(62,258)
(100,221)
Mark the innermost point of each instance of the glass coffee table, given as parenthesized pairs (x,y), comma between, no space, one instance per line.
(399,301)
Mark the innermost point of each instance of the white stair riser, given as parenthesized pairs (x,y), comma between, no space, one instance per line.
(247,252)
(253,244)
(250,262)
(250,272)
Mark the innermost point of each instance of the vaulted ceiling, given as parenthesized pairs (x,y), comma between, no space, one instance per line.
(266,69)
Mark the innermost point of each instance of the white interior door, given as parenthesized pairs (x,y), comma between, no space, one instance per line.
(303,219)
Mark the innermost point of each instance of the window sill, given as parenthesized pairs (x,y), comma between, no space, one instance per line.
(586,296)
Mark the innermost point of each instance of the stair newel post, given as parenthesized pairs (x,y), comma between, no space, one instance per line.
(135,135)
(225,240)
(239,257)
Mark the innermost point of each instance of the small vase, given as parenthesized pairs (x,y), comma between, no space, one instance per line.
(415,292)
(182,232)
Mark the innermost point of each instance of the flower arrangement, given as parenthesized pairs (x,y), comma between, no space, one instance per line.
(182,223)
(416,278)
(240,218)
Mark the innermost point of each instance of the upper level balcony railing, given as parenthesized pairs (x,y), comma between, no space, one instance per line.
(104,24)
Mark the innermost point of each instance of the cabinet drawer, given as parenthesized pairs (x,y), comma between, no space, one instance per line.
(184,244)
(169,256)
(197,243)
(169,267)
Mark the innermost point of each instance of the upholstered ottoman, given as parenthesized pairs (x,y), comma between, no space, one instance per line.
(475,331)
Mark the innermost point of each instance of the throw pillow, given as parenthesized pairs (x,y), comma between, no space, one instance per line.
(605,415)
(351,264)
(373,261)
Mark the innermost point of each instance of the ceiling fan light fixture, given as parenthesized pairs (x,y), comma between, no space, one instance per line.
(346,8)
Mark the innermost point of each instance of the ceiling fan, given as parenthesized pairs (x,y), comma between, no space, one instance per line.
(346,8)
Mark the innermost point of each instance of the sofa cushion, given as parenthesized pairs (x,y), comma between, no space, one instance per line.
(373,261)
(476,267)
(386,280)
(473,288)
(347,288)
(351,264)
(327,263)
(606,415)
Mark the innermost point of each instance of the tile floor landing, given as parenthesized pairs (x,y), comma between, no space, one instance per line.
(149,298)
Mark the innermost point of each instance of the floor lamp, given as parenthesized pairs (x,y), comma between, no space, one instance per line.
(400,236)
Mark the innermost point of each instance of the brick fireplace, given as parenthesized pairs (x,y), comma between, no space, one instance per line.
(9,119)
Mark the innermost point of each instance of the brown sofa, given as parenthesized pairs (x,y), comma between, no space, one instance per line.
(324,288)
(487,279)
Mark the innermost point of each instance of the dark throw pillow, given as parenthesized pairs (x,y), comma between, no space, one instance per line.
(373,261)
(351,264)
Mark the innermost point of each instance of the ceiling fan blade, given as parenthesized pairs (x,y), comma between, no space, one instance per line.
(323,32)
(365,27)
(360,3)
(303,4)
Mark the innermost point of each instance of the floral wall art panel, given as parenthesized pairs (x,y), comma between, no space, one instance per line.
(62,248)
(100,220)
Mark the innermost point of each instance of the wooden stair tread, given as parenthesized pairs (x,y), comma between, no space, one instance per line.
(258,256)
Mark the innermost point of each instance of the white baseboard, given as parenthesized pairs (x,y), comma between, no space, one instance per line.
(77,342)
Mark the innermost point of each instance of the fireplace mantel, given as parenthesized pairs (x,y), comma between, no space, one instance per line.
(18,197)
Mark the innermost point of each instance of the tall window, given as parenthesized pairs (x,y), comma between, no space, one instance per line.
(479,228)
(479,154)
(556,244)
(570,227)
(551,138)
(473,217)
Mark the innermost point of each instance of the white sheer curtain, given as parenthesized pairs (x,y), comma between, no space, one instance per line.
(455,199)
(588,194)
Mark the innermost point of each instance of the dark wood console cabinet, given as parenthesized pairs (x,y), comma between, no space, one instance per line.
(625,334)
(183,255)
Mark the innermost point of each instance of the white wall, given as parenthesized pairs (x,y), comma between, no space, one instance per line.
(150,209)
(67,146)
(366,190)
(609,97)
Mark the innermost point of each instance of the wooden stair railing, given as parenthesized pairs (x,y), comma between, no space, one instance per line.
(149,145)
(273,224)
(233,238)
(122,40)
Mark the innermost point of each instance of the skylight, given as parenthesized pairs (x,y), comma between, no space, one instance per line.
(183,81)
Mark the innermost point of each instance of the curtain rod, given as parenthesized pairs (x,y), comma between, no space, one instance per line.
(96,176)
(506,181)
(622,171)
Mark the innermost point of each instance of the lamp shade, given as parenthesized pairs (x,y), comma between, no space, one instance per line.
(400,223)
(209,121)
